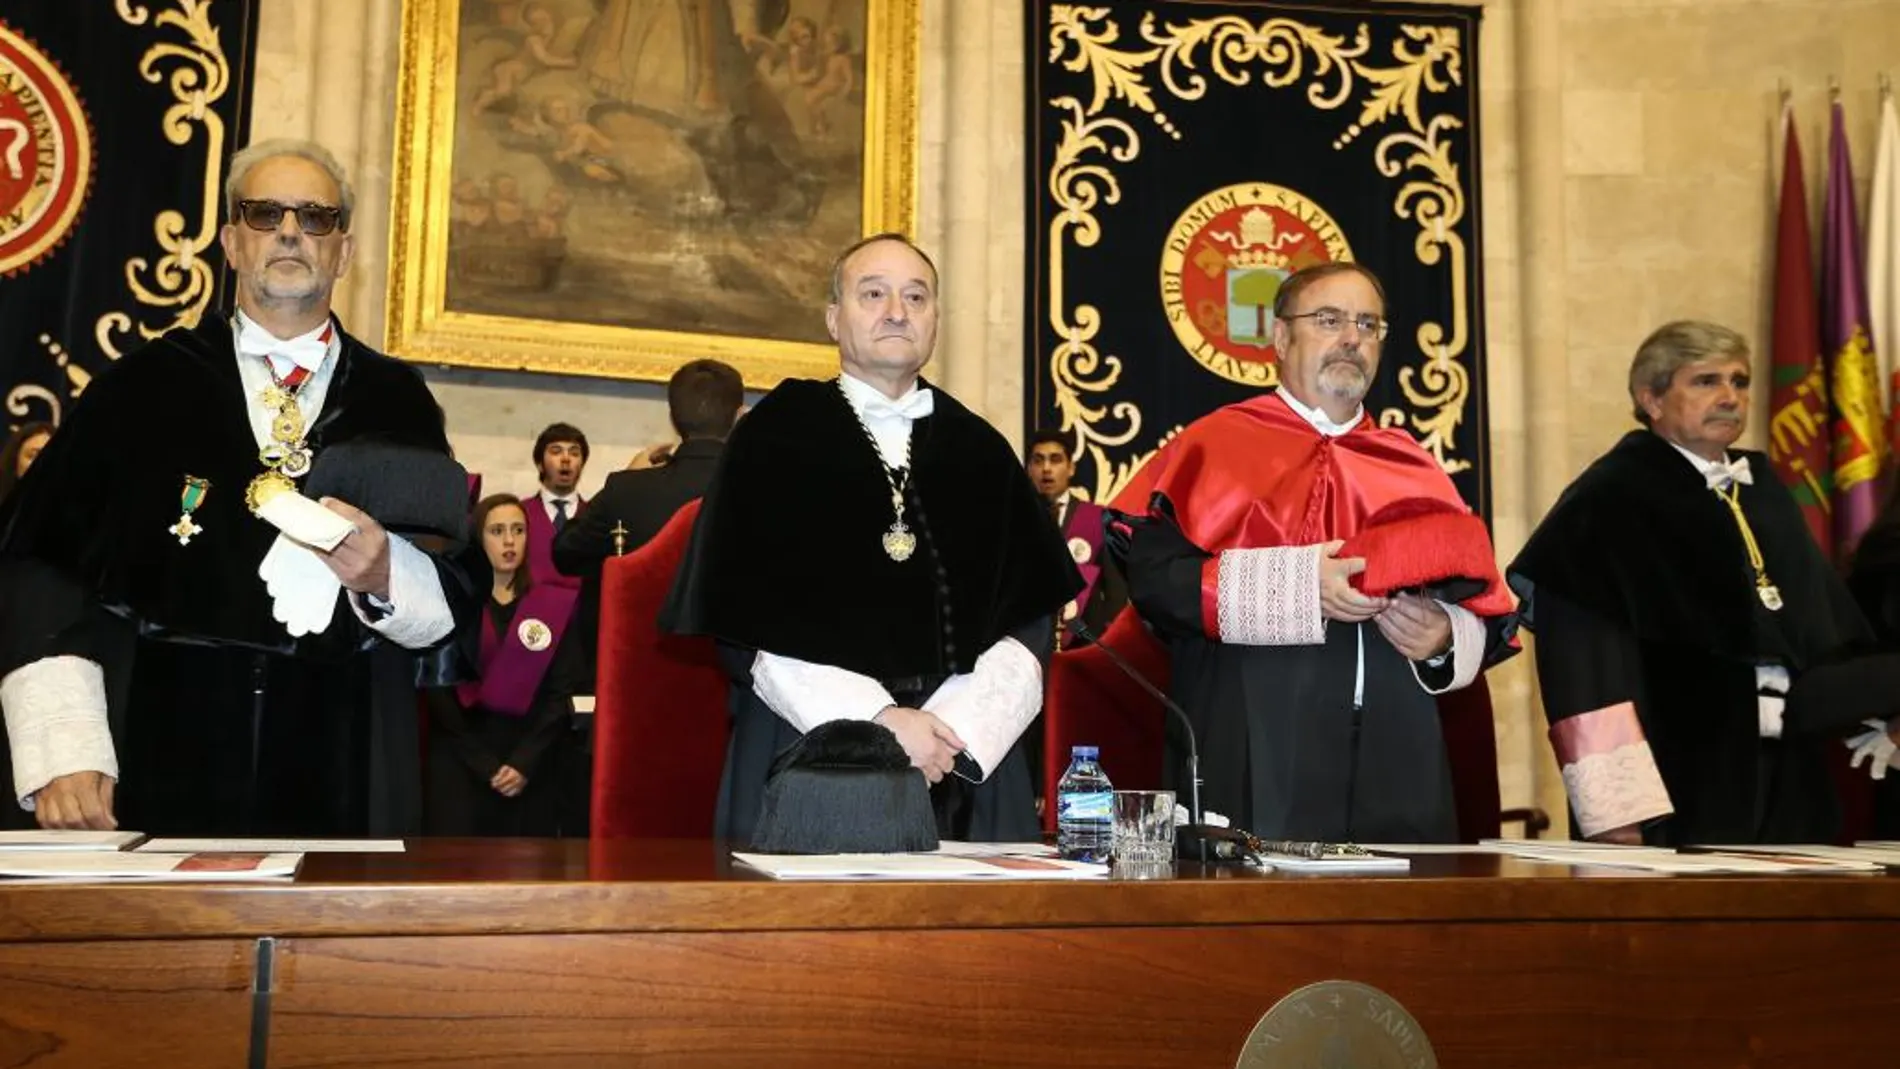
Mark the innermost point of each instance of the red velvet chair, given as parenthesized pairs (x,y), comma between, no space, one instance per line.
(660,717)
(1091,702)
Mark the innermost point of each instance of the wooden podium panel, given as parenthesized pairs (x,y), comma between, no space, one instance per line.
(150,1005)
(544,954)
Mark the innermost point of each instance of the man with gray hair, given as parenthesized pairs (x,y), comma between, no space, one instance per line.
(188,645)
(1687,624)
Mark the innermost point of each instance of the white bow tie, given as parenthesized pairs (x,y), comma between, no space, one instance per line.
(915,405)
(1720,476)
(306,352)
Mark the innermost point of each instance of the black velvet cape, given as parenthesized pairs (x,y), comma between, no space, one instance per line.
(89,568)
(786,557)
(1641,544)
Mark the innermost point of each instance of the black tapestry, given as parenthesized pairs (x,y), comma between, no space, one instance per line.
(1186,157)
(116,119)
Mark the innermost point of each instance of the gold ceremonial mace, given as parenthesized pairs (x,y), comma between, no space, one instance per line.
(620,539)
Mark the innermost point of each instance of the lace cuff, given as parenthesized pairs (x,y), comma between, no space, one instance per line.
(56,720)
(1268,597)
(1608,769)
(1467,650)
(806,695)
(991,706)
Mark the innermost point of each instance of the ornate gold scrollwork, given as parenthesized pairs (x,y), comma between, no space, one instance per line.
(180,283)
(1429,60)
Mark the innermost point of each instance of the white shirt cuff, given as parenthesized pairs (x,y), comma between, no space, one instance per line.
(1772,682)
(1467,649)
(56,722)
(418,615)
(990,706)
(1270,597)
(806,695)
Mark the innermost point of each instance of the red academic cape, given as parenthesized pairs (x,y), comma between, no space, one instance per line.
(1256,474)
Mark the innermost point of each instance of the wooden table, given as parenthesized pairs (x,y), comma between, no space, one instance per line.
(551,954)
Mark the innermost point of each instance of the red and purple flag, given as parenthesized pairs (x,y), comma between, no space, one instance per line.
(1854,397)
(1798,439)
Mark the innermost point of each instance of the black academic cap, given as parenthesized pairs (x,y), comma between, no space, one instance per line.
(846,787)
(409,490)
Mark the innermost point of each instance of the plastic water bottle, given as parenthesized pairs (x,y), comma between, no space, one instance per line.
(1084,803)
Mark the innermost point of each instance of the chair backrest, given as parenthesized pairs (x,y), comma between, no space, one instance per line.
(1092,702)
(660,717)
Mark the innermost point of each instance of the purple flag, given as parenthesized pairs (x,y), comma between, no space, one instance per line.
(1854,400)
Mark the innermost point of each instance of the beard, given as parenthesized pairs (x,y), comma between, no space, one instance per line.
(1343,375)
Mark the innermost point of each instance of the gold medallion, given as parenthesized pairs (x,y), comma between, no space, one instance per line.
(899,543)
(287,425)
(296,463)
(267,485)
(273,397)
(1770,595)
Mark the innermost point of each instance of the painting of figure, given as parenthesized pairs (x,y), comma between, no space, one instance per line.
(664,165)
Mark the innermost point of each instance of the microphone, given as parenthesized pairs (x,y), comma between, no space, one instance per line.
(1220,842)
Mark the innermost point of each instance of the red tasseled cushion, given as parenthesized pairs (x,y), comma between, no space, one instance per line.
(1419,541)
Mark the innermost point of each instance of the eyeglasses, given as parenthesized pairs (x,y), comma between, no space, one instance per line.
(1333,320)
(315,220)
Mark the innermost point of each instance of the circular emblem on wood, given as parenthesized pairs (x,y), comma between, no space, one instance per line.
(1337,1024)
(45,154)
(1222,266)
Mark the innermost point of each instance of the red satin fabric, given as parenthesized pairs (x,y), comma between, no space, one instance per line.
(1256,474)
(660,717)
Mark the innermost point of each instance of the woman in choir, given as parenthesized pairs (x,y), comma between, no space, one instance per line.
(491,771)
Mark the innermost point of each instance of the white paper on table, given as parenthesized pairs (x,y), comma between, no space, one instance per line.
(953,848)
(305,521)
(1339,865)
(1669,861)
(917,867)
(1876,855)
(68,839)
(1428,848)
(272,846)
(83,866)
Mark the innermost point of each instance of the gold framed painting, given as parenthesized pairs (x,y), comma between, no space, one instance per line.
(616,187)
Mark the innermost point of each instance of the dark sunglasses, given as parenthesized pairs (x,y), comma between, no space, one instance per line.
(315,220)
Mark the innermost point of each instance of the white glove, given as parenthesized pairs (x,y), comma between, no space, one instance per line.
(303,589)
(1875,745)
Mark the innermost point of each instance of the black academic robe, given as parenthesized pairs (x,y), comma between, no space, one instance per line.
(1638,587)
(222,723)
(786,557)
(1875,583)
(468,744)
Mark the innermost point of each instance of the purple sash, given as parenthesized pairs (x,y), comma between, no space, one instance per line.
(541,543)
(511,672)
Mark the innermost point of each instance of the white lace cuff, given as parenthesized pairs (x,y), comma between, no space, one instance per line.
(419,615)
(55,712)
(990,706)
(1270,597)
(806,694)
(1467,649)
(1614,789)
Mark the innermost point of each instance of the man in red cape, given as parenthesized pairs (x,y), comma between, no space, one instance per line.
(1318,580)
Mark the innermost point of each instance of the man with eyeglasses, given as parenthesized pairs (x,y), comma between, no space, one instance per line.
(188,645)
(1314,701)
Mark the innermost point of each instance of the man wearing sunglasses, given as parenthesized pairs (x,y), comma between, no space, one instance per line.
(1313,700)
(172,658)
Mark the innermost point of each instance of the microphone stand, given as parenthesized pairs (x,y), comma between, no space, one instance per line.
(1197,829)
